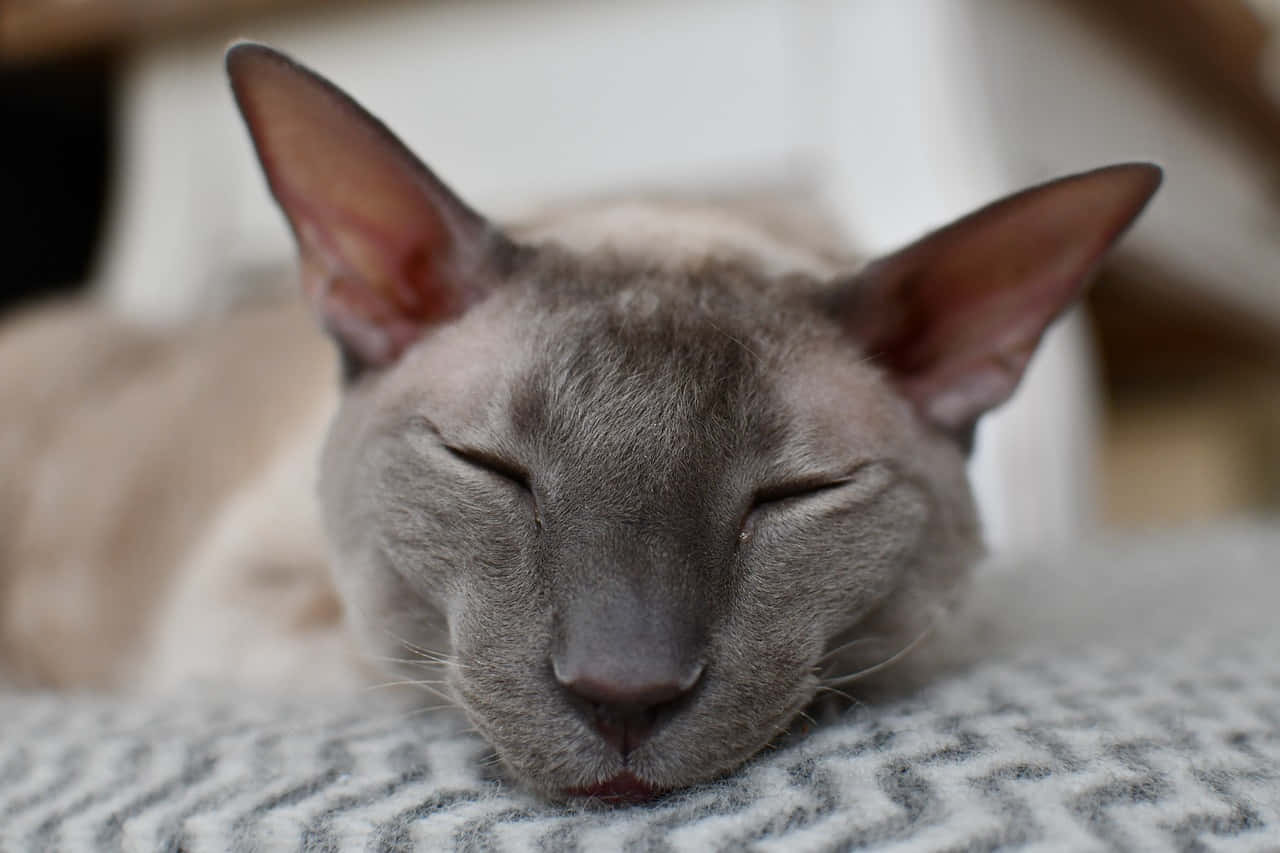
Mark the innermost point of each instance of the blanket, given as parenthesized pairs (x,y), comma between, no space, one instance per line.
(1119,696)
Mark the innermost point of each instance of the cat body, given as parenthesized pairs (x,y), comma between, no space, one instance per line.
(633,482)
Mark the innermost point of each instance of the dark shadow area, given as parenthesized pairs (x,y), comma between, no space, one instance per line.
(55,155)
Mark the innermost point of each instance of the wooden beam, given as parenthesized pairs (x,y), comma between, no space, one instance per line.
(1212,49)
(33,30)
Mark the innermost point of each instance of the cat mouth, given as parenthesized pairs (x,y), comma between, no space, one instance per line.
(624,788)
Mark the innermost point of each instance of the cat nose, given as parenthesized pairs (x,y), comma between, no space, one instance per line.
(624,700)
(601,683)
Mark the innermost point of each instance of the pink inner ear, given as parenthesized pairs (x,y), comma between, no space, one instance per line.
(376,290)
(956,316)
(380,237)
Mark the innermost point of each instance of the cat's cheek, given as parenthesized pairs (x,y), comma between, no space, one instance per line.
(826,568)
(495,583)
(506,547)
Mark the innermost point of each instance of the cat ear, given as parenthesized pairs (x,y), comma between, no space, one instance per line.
(954,317)
(386,250)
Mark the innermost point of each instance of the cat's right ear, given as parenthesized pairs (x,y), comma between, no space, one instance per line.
(386,249)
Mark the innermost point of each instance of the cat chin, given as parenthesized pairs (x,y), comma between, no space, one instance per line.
(659,770)
(614,780)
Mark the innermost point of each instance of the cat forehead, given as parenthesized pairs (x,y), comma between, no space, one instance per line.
(615,288)
(710,318)
(577,337)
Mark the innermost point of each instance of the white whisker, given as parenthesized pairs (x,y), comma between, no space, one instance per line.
(423,685)
(417,712)
(844,647)
(408,661)
(430,655)
(887,662)
(409,682)
(826,688)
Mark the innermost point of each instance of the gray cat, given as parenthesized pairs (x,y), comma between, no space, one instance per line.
(636,481)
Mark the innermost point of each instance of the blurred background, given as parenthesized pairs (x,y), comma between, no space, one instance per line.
(126,173)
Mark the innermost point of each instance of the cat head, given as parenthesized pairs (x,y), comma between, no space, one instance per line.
(636,511)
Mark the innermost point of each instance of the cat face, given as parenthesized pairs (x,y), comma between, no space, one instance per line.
(661,502)
(635,511)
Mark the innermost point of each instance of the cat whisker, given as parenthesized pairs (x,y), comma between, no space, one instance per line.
(409,661)
(418,712)
(437,692)
(426,686)
(844,647)
(421,656)
(433,655)
(443,661)
(428,654)
(887,662)
(408,682)
(826,688)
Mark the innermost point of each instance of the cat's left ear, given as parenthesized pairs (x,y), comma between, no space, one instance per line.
(954,318)
(386,250)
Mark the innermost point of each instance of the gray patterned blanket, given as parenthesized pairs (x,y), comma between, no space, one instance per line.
(1124,696)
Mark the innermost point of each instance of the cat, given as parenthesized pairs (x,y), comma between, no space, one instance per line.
(633,482)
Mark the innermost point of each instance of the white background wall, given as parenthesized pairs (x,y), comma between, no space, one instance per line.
(898,114)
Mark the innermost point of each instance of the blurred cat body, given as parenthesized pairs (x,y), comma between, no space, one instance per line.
(630,485)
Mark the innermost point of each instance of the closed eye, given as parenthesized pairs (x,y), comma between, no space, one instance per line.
(493,464)
(782,494)
(794,490)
